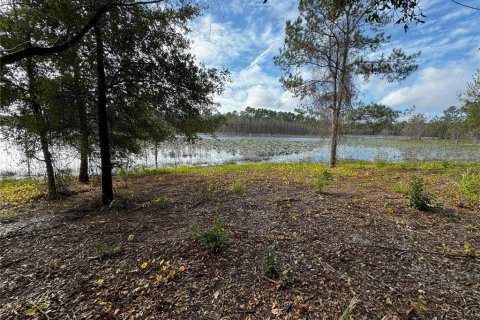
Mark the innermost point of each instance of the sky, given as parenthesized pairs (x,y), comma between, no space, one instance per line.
(245,35)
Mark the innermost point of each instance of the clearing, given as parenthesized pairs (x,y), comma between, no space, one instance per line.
(72,259)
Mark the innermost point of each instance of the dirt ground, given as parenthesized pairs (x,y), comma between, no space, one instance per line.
(72,259)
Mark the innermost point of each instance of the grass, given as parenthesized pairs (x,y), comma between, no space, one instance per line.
(13,192)
(469,184)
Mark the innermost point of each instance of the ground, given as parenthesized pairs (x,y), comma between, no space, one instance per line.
(72,259)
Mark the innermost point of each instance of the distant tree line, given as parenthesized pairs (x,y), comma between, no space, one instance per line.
(455,123)
(265,121)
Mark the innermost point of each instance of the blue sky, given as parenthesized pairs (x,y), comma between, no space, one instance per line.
(245,35)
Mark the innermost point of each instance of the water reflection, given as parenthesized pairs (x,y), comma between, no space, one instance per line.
(235,149)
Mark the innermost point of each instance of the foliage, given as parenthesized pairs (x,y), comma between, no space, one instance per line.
(347,314)
(334,49)
(371,119)
(271,266)
(469,184)
(13,192)
(162,201)
(399,187)
(214,238)
(323,180)
(237,186)
(417,196)
(105,251)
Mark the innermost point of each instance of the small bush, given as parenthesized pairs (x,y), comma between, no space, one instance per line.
(237,186)
(417,196)
(323,180)
(469,185)
(271,267)
(105,251)
(214,239)
(162,201)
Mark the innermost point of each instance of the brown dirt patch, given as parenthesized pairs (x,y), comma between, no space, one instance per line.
(356,239)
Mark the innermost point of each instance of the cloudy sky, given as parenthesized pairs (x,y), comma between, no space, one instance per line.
(245,35)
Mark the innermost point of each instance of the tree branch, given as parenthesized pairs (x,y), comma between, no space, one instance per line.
(42,51)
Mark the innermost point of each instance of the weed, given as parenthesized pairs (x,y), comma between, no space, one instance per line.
(379,163)
(469,184)
(399,187)
(446,164)
(271,266)
(417,196)
(214,239)
(347,314)
(105,251)
(162,201)
(323,180)
(237,186)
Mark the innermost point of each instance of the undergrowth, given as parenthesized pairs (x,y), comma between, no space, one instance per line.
(214,238)
(417,196)
(469,184)
(13,192)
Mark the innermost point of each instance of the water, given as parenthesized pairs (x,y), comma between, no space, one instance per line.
(241,149)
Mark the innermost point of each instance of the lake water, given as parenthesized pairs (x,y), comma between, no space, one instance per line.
(244,149)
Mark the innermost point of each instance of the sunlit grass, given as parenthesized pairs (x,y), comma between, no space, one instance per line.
(14,192)
(345,168)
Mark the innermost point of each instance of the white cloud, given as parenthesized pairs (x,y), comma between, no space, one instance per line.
(433,89)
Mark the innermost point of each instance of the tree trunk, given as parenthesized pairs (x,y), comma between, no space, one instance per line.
(42,131)
(107,188)
(84,144)
(84,138)
(156,155)
(335,130)
(52,188)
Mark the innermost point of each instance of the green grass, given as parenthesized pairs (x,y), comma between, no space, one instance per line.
(344,168)
(469,184)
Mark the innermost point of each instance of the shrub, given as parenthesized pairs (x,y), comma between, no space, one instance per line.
(105,251)
(162,201)
(214,239)
(322,180)
(417,196)
(469,184)
(237,186)
(271,267)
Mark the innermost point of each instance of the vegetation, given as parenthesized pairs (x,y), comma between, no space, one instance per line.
(469,184)
(214,238)
(271,265)
(322,181)
(336,54)
(417,196)
(106,251)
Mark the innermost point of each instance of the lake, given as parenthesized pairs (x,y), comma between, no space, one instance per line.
(244,149)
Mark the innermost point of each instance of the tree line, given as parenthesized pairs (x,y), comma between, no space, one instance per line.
(455,123)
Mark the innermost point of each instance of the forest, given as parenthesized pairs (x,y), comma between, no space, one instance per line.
(319,202)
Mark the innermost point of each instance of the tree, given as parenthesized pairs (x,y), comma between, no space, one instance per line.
(148,85)
(324,54)
(372,119)
(69,37)
(471,97)
(415,126)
